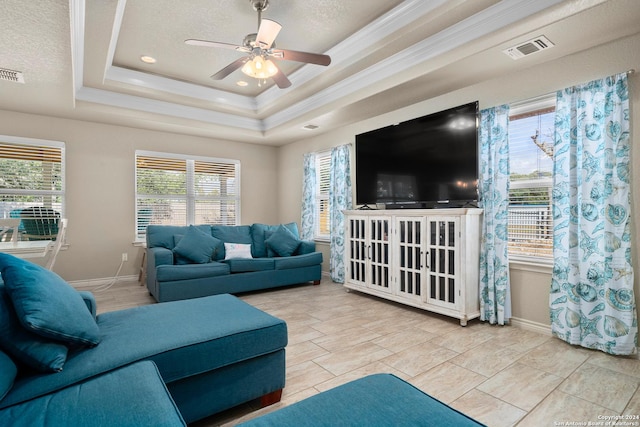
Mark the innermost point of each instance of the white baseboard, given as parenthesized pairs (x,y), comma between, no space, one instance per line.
(88,285)
(528,325)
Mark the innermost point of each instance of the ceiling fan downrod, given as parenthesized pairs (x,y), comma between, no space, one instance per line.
(259,6)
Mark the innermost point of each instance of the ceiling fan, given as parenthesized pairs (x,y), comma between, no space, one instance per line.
(261,49)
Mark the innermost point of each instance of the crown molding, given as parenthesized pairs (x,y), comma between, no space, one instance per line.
(139,103)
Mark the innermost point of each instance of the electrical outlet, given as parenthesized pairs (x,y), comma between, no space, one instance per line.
(125,256)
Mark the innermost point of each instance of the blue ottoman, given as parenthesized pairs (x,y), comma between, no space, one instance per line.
(376,400)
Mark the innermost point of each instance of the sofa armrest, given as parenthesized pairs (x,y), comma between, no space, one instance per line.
(306,247)
(156,256)
(159,256)
(90,301)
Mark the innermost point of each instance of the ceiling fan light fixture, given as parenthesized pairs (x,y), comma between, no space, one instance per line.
(259,68)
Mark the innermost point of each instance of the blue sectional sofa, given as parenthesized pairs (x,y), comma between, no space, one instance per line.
(199,260)
(57,356)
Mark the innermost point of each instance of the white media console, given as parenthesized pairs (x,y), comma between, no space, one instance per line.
(425,258)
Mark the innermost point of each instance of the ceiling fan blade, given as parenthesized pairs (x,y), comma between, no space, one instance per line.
(310,58)
(230,68)
(267,33)
(207,43)
(281,79)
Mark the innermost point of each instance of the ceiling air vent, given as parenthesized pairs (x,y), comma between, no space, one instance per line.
(529,47)
(11,76)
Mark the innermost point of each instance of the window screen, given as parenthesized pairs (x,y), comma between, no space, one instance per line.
(531,165)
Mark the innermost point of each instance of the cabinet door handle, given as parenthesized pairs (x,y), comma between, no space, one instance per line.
(426,259)
(369,252)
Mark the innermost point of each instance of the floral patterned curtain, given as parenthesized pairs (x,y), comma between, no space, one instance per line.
(308,220)
(592,301)
(340,198)
(493,186)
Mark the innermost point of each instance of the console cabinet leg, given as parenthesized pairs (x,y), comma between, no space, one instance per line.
(316,282)
(271,398)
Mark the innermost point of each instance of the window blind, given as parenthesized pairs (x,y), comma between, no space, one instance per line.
(323,171)
(179,190)
(31,175)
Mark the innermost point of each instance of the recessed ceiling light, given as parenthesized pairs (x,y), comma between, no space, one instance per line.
(242,83)
(148,59)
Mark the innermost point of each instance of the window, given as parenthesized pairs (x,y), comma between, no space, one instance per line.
(531,164)
(180,190)
(323,181)
(31,176)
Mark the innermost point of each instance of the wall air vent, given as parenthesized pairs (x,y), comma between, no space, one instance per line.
(11,76)
(310,127)
(527,48)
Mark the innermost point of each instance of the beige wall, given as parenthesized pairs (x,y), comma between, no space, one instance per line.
(530,286)
(100,185)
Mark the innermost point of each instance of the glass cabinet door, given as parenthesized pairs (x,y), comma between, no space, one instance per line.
(410,262)
(357,250)
(442,255)
(379,256)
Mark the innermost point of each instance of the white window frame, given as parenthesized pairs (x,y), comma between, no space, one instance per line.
(322,159)
(190,196)
(517,109)
(16,140)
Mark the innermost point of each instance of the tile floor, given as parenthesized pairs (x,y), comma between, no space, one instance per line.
(501,376)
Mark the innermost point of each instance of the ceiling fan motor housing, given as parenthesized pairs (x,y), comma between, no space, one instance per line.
(259,5)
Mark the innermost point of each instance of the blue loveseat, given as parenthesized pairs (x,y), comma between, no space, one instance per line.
(199,260)
(161,364)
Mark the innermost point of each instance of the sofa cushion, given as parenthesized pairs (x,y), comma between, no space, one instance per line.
(282,241)
(46,304)
(197,246)
(240,265)
(168,273)
(231,234)
(132,396)
(297,261)
(258,234)
(26,347)
(8,372)
(237,250)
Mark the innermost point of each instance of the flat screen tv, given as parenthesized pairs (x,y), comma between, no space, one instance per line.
(431,161)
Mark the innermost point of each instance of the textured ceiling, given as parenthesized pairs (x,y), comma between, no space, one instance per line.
(81,58)
(314,26)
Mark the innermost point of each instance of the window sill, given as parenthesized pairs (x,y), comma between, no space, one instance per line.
(323,240)
(536,265)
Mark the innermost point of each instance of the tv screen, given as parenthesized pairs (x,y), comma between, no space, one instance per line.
(425,162)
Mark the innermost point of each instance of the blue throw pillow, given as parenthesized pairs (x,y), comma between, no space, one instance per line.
(283,241)
(25,347)
(46,304)
(197,246)
(261,232)
(8,372)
